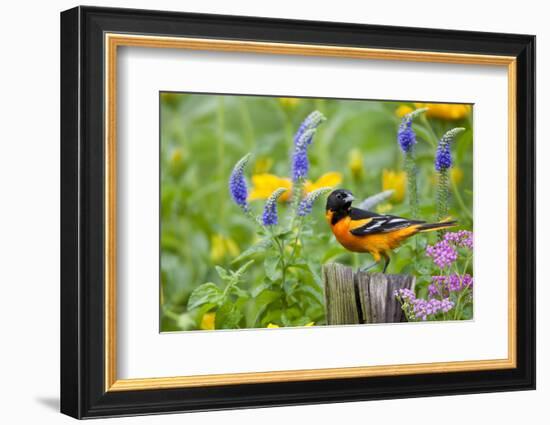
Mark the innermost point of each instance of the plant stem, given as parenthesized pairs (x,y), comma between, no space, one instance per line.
(411,170)
(283,263)
(297,189)
(298,234)
(458,307)
(467,264)
(170,314)
(442,197)
(281,245)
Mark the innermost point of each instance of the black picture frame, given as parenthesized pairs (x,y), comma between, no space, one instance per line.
(82,212)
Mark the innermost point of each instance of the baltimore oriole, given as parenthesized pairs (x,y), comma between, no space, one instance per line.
(358,230)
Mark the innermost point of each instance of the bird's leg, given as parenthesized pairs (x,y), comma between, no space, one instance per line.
(368,267)
(376,257)
(386,263)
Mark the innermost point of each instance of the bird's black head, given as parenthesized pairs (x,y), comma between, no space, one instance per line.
(339,200)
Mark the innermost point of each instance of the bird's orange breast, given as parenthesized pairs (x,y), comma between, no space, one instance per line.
(341,230)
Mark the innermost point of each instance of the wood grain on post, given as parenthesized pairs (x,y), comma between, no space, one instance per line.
(353,298)
(341,307)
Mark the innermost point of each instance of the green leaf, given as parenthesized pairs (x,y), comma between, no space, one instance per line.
(299,265)
(241,293)
(263,301)
(308,267)
(268,296)
(408,268)
(332,253)
(272,316)
(257,248)
(228,316)
(239,273)
(205,293)
(284,234)
(289,286)
(257,290)
(313,270)
(270,265)
(224,275)
(314,293)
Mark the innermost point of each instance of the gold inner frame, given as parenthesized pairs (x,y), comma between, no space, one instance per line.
(113,41)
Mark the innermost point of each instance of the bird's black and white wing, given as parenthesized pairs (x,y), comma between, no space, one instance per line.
(375,223)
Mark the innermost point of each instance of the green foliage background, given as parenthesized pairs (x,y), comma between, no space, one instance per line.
(203,136)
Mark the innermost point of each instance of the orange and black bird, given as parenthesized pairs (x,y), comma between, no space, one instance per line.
(358,230)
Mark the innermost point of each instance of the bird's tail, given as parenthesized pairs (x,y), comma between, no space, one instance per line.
(444,224)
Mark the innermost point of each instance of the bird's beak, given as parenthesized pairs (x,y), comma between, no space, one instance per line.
(349,198)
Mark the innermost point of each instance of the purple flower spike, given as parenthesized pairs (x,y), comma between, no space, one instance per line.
(443,159)
(406,137)
(300,161)
(269,216)
(312,121)
(237,183)
(302,139)
(305,206)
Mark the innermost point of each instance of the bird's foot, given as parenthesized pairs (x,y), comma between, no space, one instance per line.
(367,267)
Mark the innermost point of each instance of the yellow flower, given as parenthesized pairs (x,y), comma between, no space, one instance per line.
(355,163)
(208,321)
(403,110)
(289,102)
(262,165)
(222,246)
(445,111)
(272,325)
(395,180)
(263,185)
(457,175)
(329,179)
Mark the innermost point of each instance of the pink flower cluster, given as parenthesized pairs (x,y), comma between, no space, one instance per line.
(444,253)
(421,308)
(462,238)
(444,285)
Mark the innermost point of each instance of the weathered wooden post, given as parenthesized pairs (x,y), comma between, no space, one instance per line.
(361,297)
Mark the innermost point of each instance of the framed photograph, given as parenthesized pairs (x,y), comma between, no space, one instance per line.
(261,212)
